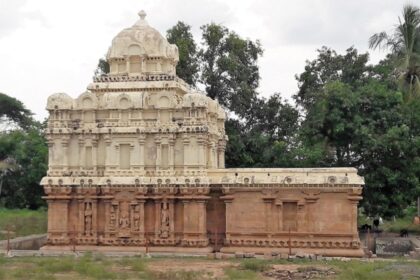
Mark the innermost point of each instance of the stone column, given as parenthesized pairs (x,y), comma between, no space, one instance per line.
(107,204)
(279,216)
(108,151)
(50,142)
(143,65)
(268,213)
(354,196)
(157,217)
(158,143)
(228,199)
(171,151)
(301,213)
(310,199)
(354,218)
(95,154)
(186,223)
(202,218)
(64,155)
(81,153)
(221,153)
(127,64)
(142,216)
(81,226)
(186,142)
(201,143)
(171,204)
(142,140)
(94,218)
(134,158)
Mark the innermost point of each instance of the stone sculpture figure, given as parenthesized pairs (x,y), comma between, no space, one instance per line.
(164,222)
(136,218)
(124,221)
(88,218)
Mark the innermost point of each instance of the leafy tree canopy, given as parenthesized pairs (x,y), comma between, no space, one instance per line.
(187,67)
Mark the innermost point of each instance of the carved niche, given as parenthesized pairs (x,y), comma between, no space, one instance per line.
(164,220)
(124,215)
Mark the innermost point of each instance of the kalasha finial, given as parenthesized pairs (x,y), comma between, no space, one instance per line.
(142,14)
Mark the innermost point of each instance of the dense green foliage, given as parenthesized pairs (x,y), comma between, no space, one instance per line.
(23,156)
(21,186)
(187,67)
(12,111)
(229,67)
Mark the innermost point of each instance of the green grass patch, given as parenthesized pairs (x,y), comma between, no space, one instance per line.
(243,274)
(357,270)
(255,265)
(22,222)
(181,275)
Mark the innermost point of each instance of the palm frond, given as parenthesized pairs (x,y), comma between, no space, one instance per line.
(379,40)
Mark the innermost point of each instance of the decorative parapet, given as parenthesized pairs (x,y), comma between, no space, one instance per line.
(286,177)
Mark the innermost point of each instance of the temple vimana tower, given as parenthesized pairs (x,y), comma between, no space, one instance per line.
(137,161)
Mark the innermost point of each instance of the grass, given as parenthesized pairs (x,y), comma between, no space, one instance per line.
(364,270)
(255,265)
(22,222)
(101,267)
(234,274)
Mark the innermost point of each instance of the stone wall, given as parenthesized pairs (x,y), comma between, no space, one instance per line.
(31,242)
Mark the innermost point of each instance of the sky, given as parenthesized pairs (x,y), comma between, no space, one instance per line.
(50,46)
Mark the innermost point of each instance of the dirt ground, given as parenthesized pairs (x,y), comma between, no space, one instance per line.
(214,269)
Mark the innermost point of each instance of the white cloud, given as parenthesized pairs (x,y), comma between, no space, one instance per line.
(53,46)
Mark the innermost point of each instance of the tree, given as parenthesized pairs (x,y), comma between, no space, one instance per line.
(404,44)
(350,68)
(229,67)
(102,68)
(29,152)
(187,67)
(265,140)
(13,112)
(366,128)
(7,166)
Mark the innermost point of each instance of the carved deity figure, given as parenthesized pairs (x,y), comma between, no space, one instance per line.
(88,218)
(112,218)
(124,220)
(136,217)
(164,221)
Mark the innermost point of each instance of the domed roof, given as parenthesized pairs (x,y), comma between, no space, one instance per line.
(143,40)
(195,99)
(59,101)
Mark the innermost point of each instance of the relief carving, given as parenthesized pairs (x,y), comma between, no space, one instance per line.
(164,223)
(88,219)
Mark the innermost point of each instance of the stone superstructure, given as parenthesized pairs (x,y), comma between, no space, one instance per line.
(137,161)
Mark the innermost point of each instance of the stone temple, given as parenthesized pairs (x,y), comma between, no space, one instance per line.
(137,162)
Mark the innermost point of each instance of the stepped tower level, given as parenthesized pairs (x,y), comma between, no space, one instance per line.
(138,160)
